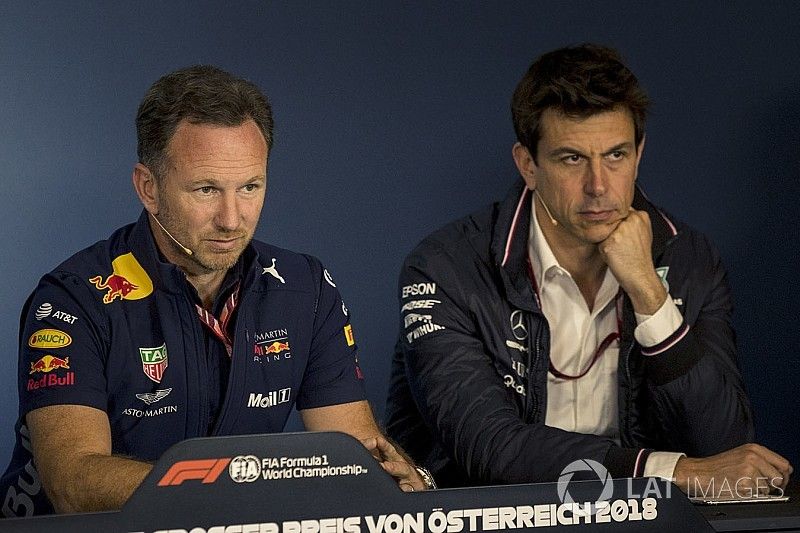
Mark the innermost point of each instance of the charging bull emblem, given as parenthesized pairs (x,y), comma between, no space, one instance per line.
(128,281)
(48,363)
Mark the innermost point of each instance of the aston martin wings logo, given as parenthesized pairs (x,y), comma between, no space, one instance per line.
(153,397)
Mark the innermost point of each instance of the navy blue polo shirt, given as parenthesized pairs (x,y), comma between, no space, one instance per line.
(115,328)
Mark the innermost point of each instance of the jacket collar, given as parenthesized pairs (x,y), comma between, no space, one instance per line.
(664,228)
(509,246)
(168,277)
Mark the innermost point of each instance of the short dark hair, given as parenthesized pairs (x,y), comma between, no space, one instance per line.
(578,81)
(201,94)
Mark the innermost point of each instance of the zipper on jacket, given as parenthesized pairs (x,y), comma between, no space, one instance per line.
(531,373)
(629,395)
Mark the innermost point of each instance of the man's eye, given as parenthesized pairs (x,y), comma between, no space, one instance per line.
(250,187)
(616,155)
(206,190)
(571,159)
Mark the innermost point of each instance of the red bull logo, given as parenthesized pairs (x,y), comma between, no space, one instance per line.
(51,380)
(48,363)
(275,347)
(117,286)
(128,281)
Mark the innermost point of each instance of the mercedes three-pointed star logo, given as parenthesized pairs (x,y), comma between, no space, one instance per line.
(518,327)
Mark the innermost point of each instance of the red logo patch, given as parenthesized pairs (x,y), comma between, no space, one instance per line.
(208,470)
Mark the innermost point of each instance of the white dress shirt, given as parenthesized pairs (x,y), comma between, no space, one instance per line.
(589,404)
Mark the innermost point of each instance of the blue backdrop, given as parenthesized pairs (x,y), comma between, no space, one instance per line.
(392,119)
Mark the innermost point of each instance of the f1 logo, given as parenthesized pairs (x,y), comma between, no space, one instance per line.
(206,469)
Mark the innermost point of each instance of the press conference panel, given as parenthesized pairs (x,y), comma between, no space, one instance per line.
(328,483)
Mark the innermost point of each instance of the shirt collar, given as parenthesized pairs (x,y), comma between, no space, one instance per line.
(167,276)
(542,258)
(543,262)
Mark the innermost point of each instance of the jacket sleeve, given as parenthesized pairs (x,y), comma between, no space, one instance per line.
(699,399)
(466,401)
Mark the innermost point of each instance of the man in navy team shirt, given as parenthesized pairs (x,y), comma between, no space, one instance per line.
(180,325)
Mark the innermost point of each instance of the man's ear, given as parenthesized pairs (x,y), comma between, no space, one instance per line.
(525,164)
(146,188)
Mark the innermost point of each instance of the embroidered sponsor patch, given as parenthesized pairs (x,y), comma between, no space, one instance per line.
(276,347)
(272,346)
(421,331)
(269,399)
(154,362)
(662,275)
(49,338)
(51,380)
(518,327)
(348,334)
(272,270)
(419,304)
(147,413)
(411,318)
(417,289)
(516,346)
(128,280)
(46,309)
(48,363)
(153,397)
(418,325)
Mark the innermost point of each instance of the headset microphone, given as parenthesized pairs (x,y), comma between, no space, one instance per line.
(541,200)
(182,247)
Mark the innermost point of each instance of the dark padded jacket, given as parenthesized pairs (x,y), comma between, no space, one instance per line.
(472,408)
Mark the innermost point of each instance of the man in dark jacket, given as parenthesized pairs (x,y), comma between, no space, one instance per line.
(181,325)
(574,320)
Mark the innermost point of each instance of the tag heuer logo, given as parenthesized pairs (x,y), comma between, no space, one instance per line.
(154,361)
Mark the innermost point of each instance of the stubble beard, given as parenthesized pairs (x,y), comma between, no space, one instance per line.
(207,261)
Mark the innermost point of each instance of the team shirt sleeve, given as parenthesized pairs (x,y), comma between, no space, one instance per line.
(333,375)
(61,353)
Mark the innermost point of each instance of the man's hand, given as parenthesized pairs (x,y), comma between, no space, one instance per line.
(356,419)
(627,252)
(745,471)
(408,479)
